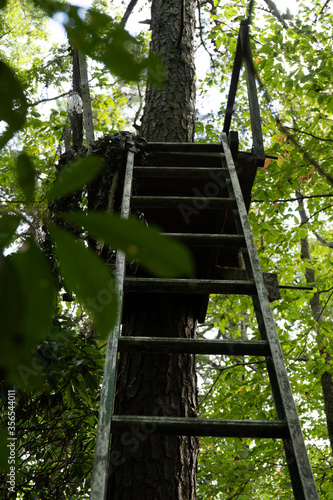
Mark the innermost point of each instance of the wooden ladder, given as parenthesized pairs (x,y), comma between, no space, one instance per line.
(287,426)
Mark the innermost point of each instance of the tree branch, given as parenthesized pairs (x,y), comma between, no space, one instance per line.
(273,10)
(281,200)
(32,104)
(308,133)
(128,12)
(322,240)
(291,137)
(201,37)
(224,368)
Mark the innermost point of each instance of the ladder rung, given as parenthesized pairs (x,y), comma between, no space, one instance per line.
(194,346)
(201,203)
(168,285)
(183,426)
(209,240)
(181,172)
(189,147)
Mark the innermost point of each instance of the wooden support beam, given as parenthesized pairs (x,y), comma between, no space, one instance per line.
(179,172)
(198,202)
(208,240)
(194,346)
(182,426)
(192,286)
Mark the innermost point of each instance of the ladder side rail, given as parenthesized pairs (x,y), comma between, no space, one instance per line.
(102,449)
(278,401)
(233,86)
(293,464)
(301,456)
(258,144)
(287,443)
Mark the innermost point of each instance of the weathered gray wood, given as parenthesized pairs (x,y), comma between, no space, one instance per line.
(258,143)
(194,346)
(272,286)
(86,101)
(300,471)
(208,240)
(202,203)
(102,450)
(187,147)
(178,172)
(192,286)
(183,426)
(233,86)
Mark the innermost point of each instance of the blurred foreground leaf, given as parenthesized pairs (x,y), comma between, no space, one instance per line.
(26,175)
(13,104)
(26,303)
(87,276)
(159,254)
(75,175)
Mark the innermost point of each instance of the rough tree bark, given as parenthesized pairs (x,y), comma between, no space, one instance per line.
(145,465)
(316,308)
(169,113)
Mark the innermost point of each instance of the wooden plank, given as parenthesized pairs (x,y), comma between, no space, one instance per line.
(179,172)
(188,147)
(208,240)
(194,346)
(191,286)
(185,158)
(198,202)
(183,426)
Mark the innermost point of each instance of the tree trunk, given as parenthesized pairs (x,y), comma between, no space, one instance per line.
(75,105)
(316,308)
(86,101)
(144,465)
(169,114)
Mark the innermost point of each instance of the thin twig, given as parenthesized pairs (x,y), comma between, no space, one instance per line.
(281,200)
(32,104)
(309,133)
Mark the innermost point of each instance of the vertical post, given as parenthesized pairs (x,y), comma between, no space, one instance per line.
(86,101)
(233,86)
(75,109)
(258,145)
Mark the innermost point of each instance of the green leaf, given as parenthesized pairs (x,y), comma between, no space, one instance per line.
(99,37)
(87,276)
(160,255)
(38,288)
(8,226)
(26,175)
(26,307)
(75,175)
(13,103)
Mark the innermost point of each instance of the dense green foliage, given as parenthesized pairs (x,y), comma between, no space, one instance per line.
(51,355)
